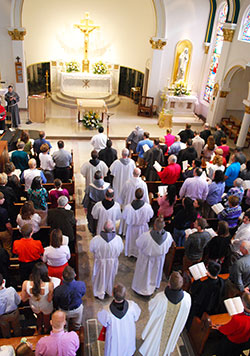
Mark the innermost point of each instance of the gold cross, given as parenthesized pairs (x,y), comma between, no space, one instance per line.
(86,83)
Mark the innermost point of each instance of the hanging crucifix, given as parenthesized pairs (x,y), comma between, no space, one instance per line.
(86,26)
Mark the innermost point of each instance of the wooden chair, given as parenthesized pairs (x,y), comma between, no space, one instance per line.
(145,106)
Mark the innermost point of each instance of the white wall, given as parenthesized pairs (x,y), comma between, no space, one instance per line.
(186,19)
(123,38)
(7,68)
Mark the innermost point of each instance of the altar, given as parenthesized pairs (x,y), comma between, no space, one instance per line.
(181,105)
(85,85)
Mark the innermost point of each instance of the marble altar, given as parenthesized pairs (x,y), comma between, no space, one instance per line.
(77,84)
(181,105)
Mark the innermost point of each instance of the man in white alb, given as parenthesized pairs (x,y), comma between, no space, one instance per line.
(136,217)
(122,170)
(89,168)
(119,319)
(99,141)
(168,314)
(105,210)
(152,248)
(106,248)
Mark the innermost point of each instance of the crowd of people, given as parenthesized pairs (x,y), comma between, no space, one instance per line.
(198,172)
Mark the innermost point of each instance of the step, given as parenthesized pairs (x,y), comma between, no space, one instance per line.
(58,99)
(87,95)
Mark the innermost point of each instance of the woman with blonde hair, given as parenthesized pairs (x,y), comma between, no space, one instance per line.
(217,164)
(28,215)
(209,149)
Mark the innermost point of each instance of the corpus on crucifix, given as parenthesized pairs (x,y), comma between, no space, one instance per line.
(86,26)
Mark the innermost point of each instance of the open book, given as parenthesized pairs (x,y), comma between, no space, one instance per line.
(217,208)
(246,184)
(234,305)
(211,232)
(157,166)
(145,147)
(162,189)
(184,165)
(198,271)
(190,231)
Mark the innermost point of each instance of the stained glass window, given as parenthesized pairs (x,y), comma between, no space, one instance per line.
(246,28)
(216,54)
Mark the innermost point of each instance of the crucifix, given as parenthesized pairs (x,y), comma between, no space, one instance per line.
(86,26)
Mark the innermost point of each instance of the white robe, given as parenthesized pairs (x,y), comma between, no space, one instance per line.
(153,330)
(121,173)
(102,215)
(150,262)
(128,191)
(99,141)
(105,264)
(137,223)
(120,333)
(88,171)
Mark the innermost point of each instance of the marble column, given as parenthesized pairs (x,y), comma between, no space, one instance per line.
(17,36)
(214,108)
(245,122)
(156,68)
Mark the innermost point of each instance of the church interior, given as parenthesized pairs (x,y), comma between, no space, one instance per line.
(188,59)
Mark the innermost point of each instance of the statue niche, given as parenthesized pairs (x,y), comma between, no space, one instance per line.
(182,61)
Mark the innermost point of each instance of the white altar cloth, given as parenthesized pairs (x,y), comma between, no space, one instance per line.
(82,83)
(181,105)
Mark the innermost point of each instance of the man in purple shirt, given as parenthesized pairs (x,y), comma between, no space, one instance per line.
(196,187)
(59,342)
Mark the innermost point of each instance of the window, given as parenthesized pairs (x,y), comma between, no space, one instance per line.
(245,33)
(217,47)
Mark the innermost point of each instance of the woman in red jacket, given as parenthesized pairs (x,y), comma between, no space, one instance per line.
(2,117)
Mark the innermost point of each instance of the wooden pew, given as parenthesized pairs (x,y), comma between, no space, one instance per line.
(173,260)
(153,186)
(201,329)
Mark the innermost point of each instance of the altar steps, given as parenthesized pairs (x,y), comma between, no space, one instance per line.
(70,102)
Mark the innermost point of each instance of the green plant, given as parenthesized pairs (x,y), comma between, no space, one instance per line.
(100,68)
(180,88)
(72,67)
(91,120)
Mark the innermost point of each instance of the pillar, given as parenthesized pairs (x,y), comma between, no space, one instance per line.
(214,113)
(17,36)
(245,122)
(156,67)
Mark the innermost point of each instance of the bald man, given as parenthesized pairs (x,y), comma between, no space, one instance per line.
(29,174)
(59,342)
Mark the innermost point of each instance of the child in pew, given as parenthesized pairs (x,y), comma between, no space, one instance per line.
(55,193)
(28,215)
(39,196)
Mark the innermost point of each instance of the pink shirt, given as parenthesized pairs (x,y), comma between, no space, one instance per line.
(61,344)
(169,139)
(165,209)
(225,150)
(54,194)
(170,174)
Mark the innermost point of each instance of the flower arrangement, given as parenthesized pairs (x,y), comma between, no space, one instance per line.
(72,67)
(91,120)
(100,68)
(180,88)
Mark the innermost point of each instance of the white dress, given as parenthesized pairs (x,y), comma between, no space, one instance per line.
(137,223)
(121,173)
(120,333)
(150,262)
(40,304)
(88,171)
(153,331)
(105,264)
(102,215)
(35,221)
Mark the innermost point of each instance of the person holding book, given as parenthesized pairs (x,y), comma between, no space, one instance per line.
(215,192)
(206,295)
(236,333)
(195,244)
(189,172)
(183,220)
(243,231)
(140,149)
(187,154)
(231,213)
(167,202)
(196,187)
(150,156)
(171,173)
